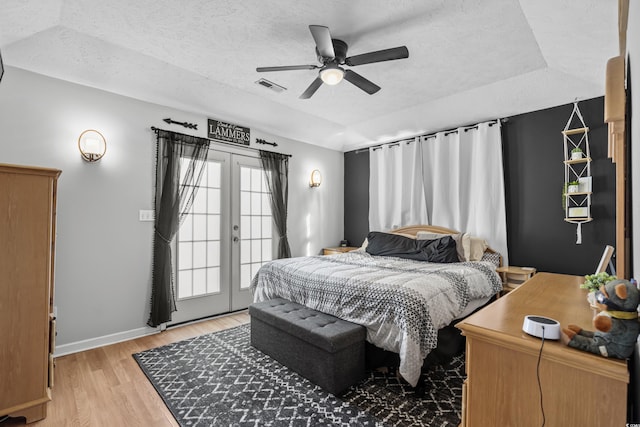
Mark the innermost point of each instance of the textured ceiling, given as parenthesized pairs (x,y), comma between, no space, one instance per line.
(470,60)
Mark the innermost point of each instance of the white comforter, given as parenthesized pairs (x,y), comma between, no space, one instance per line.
(402,303)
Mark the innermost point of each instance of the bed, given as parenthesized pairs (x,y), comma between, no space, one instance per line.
(401,302)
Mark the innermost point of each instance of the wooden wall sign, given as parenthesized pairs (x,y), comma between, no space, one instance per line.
(228,132)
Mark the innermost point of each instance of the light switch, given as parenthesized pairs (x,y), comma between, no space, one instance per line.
(146,215)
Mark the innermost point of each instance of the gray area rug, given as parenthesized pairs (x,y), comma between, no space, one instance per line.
(218,379)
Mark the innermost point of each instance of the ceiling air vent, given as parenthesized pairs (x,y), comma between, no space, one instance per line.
(271,85)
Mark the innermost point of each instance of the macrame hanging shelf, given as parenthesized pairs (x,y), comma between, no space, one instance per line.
(577,189)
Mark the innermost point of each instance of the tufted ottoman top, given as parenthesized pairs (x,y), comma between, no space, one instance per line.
(322,330)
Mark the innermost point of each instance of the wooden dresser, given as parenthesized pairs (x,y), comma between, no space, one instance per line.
(579,388)
(27,325)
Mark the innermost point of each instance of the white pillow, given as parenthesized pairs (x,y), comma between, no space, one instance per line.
(478,246)
(463,242)
(364,244)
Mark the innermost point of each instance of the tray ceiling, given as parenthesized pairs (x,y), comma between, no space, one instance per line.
(470,60)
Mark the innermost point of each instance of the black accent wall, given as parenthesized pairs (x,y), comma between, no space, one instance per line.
(537,234)
(356,196)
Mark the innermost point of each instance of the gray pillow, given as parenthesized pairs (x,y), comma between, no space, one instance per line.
(442,250)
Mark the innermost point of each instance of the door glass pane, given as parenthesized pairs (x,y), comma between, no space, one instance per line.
(199,227)
(213,227)
(245,251)
(199,254)
(245,203)
(256,250)
(213,254)
(245,179)
(184,278)
(245,227)
(256,203)
(256,180)
(185,260)
(199,282)
(266,250)
(214,173)
(186,231)
(245,276)
(200,201)
(256,227)
(213,201)
(266,205)
(266,227)
(213,280)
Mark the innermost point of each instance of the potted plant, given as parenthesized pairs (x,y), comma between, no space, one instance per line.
(576,153)
(573,187)
(592,282)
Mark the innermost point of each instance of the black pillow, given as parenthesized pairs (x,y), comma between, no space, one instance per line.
(437,250)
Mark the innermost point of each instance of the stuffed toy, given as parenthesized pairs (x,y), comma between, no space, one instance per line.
(617,324)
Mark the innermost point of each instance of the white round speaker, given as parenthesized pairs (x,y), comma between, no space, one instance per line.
(540,327)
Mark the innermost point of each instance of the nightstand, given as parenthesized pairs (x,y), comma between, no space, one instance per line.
(338,250)
(513,276)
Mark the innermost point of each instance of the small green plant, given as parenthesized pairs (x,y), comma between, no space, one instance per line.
(577,150)
(594,281)
(574,183)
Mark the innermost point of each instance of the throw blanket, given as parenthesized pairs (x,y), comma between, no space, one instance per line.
(402,303)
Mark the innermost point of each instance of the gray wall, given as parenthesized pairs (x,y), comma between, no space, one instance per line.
(103,252)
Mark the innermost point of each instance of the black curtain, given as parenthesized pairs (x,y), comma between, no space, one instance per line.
(276,170)
(180,161)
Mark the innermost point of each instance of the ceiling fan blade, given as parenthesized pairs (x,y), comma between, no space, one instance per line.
(322,37)
(361,82)
(313,87)
(287,68)
(378,56)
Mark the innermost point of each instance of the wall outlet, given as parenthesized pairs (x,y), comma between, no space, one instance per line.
(146,215)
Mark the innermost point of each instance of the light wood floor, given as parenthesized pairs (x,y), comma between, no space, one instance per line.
(105,386)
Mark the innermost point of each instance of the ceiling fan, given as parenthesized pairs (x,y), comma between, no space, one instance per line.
(332,54)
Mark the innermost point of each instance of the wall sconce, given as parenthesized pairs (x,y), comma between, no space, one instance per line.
(316,178)
(92,145)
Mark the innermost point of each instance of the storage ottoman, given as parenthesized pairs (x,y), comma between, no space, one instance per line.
(328,351)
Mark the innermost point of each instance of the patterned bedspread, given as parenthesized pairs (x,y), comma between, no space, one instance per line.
(402,303)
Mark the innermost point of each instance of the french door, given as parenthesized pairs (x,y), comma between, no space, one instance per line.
(224,239)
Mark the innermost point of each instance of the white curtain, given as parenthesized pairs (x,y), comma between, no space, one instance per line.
(451,179)
(396,196)
(464,182)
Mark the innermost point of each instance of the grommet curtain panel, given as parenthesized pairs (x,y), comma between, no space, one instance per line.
(275,167)
(460,175)
(396,195)
(180,161)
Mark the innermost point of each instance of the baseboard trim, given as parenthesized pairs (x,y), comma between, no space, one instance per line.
(75,347)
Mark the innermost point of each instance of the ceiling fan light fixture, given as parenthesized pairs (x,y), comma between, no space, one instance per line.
(331,74)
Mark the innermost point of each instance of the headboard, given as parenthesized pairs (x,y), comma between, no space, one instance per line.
(413,229)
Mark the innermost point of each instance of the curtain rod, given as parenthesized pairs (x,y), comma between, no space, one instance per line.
(429,135)
(153,128)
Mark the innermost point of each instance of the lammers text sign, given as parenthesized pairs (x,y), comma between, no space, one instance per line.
(229,132)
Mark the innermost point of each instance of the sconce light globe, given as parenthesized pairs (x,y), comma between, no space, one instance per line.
(92,145)
(316,178)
